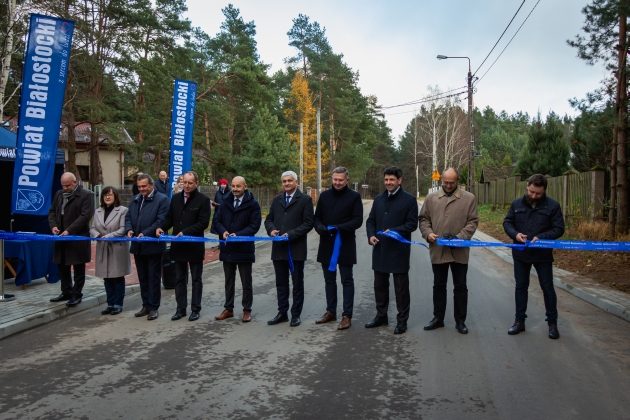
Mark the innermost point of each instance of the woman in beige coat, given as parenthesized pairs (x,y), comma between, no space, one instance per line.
(112,258)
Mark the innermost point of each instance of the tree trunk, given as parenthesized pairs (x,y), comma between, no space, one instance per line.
(5,65)
(71,143)
(96,171)
(333,143)
(622,123)
(206,127)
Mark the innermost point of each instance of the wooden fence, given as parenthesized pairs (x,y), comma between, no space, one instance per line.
(581,195)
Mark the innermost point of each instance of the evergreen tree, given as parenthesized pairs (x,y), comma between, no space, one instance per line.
(546,151)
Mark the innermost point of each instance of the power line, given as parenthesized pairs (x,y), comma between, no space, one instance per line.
(503,33)
(428,98)
(509,42)
(431,99)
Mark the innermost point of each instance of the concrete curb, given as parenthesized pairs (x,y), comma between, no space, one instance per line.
(61,311)
(608,300)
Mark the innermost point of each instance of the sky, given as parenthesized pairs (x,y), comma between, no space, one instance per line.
(393,46)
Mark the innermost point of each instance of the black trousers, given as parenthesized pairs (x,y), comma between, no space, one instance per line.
(181,285)
(245,271)
(149,269)
(460,291)
(281,268)
(545,278)
(67,288)
(347,286)
(401,289)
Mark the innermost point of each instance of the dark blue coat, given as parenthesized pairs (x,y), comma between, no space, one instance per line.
(400,213)
(296,220)
(544,221)
(191,219)
(152,216)
(243,221)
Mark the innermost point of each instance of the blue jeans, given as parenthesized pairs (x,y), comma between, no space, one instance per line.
(115,290)
(347,283)
(545,278)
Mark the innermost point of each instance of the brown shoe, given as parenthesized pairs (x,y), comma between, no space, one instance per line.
(224,315)
(345,323)
(247,316)
(327,317)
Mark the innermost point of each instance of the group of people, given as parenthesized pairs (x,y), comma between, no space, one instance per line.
(449,213)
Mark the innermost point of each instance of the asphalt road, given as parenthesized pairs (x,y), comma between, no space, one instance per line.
(93,366)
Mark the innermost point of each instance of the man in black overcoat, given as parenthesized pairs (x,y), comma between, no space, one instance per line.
(238,216)
(146,213)
(339,211)
(188,214)
(70,213)
(290,215)
(394,210)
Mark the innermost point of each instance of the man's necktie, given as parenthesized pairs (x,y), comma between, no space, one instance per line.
(288,198)
(237,203)
(186,198)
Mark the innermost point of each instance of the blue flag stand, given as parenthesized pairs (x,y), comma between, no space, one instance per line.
(3,297)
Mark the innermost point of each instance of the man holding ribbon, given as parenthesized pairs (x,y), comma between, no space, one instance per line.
(449,213)
(188,214)
(70,213)
(393,210)
(238,216)
(530,218)
(338,215)
(146,213)
(290,215)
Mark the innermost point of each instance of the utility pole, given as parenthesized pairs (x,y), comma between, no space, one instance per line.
(471,159)
(302,155)
(319,152)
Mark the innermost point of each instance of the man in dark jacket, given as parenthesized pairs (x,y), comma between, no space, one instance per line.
(162,183)
(189,214)
(394,210)
(290,215)
(219,197)
(146,213)
(70,212)
(339,212)
(532,217)
(238,216)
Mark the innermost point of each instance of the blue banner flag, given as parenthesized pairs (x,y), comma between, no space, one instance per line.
(43,86)
(182,123)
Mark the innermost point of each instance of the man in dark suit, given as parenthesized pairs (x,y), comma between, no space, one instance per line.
(238,216)
(339,212)
(394,210)
(162,183)
(146,213)
(189,214)
(290,215)
(70,213)
(530,218)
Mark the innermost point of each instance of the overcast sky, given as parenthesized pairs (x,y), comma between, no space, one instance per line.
(393,45)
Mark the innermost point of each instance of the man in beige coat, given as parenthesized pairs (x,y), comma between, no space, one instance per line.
(449,213)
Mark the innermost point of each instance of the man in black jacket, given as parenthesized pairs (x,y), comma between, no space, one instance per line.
(238,216)
(146,213)
(394,210)
(70,212)
(188,214)
(339,212)
(162,183)
(532,217)
(290,215)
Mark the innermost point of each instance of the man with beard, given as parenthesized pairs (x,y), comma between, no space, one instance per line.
(449,213)
(530,218)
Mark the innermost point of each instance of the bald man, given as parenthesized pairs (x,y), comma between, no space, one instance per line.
(162,183)
(238,216)
(449,213)
(70,212)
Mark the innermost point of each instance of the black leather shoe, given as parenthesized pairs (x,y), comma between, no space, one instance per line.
(295,321)
(461,328)
(60,298)
(278,319)
(142,312)
(376,322)
(554,334)
(194,315)
(434,324)
(116,311)
(517,327)
(401,328)
(73,302)
(107,311)
(153,315)
(178,315)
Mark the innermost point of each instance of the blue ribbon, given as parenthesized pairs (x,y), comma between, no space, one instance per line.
(392,234)
(541,243)
(334,258)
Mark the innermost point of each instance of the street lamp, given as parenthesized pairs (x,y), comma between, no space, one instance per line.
(471,158)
